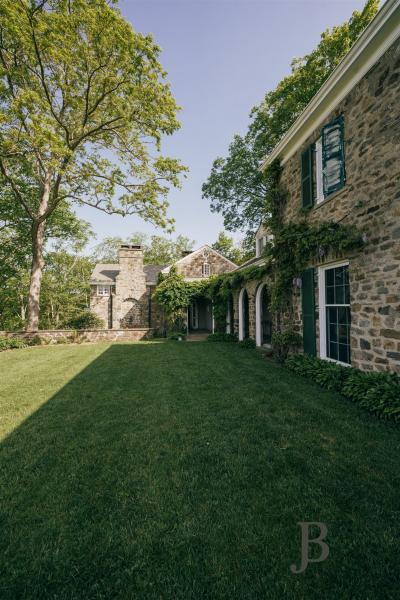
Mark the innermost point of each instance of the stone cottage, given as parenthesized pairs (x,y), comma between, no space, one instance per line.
(121,294)
(341,163)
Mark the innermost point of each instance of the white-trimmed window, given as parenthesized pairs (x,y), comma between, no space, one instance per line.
(335,312)
(206,269)
(103,290)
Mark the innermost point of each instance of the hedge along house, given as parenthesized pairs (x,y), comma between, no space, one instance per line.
(340,163)
(122,293)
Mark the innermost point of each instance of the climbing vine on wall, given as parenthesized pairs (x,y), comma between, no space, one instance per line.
(295,246)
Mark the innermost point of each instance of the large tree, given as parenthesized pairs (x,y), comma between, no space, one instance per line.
(236,187)
(83,106)
(157,249)
(237,253)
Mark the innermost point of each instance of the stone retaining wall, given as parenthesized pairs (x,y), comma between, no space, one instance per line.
(86,335)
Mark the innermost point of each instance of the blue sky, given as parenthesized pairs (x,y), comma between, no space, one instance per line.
(221,57)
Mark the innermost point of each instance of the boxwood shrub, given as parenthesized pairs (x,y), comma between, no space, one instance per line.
(222,337)
(9,343)
(377,392)
(247,343)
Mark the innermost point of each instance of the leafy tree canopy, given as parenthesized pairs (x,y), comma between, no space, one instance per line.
(237,253)
(157,249)
(236,188)
(84,103)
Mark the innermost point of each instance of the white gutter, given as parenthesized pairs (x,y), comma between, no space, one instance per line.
(378,36)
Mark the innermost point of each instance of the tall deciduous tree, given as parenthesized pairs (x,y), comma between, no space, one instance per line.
(236,187)
(237,253)
(157,249)
(83,106)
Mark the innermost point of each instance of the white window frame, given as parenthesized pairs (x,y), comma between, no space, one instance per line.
(103,290)
(206,269)
(318,172)
(322,310)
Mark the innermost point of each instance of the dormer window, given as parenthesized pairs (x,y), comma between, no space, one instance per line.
(206,269)
(103,290)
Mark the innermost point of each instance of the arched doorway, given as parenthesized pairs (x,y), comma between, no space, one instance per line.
(243,314)
(230,328)
(263,316)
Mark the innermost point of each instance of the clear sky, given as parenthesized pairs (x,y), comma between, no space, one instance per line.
(221,57)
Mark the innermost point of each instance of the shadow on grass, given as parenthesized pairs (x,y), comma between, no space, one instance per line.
(181,471)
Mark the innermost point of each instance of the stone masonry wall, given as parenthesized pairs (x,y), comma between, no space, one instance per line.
(370,201)
(192,267)
(87,335)
(131,301)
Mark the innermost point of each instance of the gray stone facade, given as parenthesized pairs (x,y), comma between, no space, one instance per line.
(122,293)
(369,201)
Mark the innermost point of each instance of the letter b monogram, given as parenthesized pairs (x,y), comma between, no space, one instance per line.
(305,543)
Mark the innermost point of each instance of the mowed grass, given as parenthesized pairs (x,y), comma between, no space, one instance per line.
(181,471)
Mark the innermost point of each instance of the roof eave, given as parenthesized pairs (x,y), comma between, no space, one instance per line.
(380,34)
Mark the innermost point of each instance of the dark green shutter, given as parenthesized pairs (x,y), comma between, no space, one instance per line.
(333,167)
(307,177)
(308,305)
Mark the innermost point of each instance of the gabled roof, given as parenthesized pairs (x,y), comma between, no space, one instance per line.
(188,257)
(378,36)
(106,273)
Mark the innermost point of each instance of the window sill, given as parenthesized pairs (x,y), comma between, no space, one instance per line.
(331,197)
(337,362)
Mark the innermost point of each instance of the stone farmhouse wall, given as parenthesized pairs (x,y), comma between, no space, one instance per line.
(87,335)
(192,267)
(370,201)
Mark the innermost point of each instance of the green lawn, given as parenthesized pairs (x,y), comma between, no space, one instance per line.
(180,471)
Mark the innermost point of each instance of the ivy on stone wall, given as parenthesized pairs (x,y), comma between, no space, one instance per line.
(294,247)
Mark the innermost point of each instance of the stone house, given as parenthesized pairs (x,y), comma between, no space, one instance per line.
(121,294)
(341,163)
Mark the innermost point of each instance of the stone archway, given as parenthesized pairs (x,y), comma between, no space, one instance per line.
(243,314)
(263,316)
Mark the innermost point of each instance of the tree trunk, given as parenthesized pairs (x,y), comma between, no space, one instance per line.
(36,276)
(38,228)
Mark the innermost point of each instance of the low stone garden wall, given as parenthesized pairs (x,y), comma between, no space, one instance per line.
(83,335)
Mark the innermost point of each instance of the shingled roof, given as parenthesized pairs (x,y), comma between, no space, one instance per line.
(106,273)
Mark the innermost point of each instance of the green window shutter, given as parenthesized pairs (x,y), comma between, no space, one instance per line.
(308,306)
(307,177)
(333,164)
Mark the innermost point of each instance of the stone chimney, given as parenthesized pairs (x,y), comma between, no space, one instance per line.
(130,258)
(130,301)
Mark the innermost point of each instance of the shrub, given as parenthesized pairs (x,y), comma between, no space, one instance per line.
(222,337)
(377,392)
(85,320)
(10,343)
(247,343)
(36,340)
(284,342)
(177,337)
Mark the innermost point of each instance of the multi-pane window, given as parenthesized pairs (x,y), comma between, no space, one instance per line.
(103,290)
(337,316)
(206,269)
